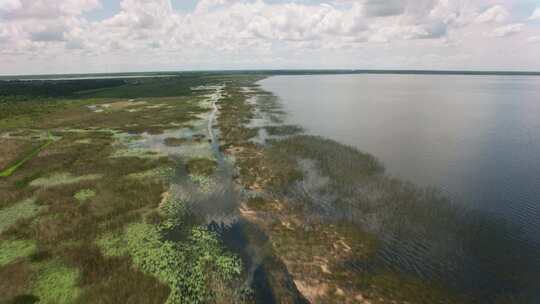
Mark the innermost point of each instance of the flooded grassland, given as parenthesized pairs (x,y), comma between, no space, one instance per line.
(95,203)
(196,191)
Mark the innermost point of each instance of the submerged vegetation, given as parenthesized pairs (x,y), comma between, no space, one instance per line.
(109,192)
(391,241)
(201,166)
(187,267)
(174,142)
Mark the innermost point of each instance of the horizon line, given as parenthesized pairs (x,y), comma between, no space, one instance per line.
(293,71)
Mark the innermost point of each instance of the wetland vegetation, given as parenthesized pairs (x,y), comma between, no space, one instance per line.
(110,192)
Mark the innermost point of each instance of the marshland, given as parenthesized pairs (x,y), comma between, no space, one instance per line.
(227,188)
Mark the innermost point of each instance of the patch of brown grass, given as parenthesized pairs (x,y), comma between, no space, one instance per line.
(113,280)
(175,142)
(13,149)
(20,275)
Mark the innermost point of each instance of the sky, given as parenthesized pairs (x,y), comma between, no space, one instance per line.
(95,36)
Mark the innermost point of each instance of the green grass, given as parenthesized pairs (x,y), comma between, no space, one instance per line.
(84,195)
(112,245)
(11,250)
(18,211)
(57,284)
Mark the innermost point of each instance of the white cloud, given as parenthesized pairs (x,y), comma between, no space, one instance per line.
(535,15)
(533,39)
(45,9)
(205,5)
(240,32)
(7,6)
(507,30)
(496,13)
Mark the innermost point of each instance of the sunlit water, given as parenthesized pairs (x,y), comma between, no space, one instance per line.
(477,138)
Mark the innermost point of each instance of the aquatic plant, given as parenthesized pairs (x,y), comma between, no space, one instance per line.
(11,250)
(201,166)
(205,183)
(401,216)
(175,211)
(318,182)
(184,266)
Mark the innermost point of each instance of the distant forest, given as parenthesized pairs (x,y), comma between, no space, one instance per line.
(17,90)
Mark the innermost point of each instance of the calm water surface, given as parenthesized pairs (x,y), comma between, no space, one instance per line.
(475,137)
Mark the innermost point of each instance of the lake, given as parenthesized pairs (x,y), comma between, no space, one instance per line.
(477,138)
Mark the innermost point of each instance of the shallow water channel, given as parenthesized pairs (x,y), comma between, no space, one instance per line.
(214,200)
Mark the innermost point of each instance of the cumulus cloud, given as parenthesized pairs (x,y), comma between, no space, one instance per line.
(7,6)
(496,13)
(533,39)
(141,14)
(535,15)
(507,30)
(206,5)
(281,31)
(45,9)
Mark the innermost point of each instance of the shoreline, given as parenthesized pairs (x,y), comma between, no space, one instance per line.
(262,172)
